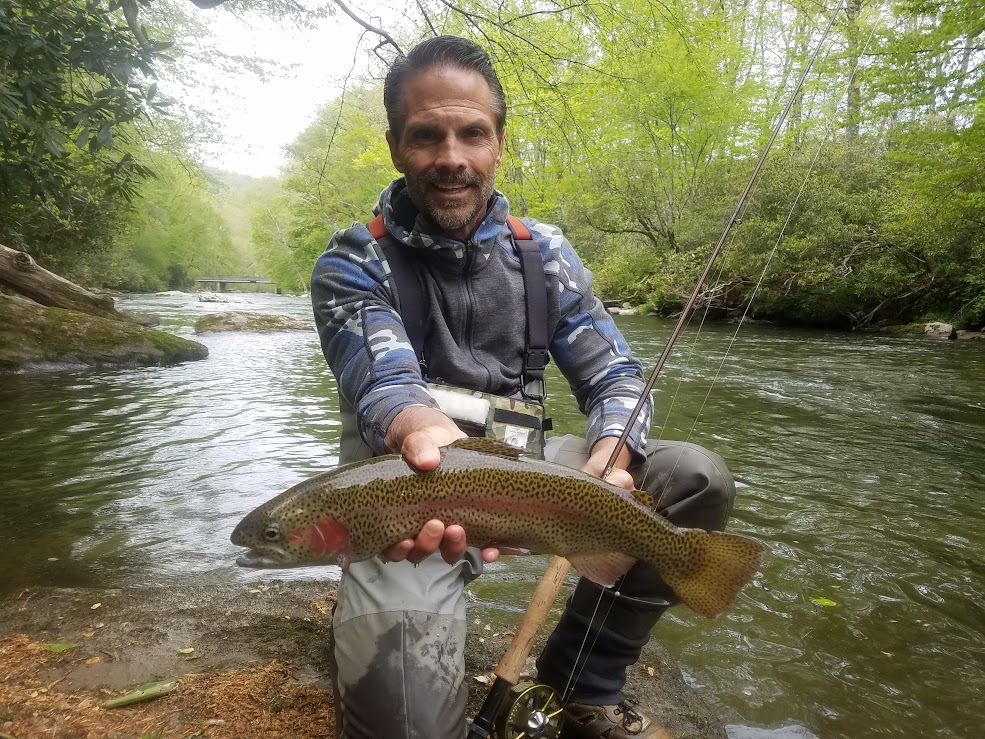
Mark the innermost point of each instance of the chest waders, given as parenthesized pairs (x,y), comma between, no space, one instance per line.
(398,629)
(518,421)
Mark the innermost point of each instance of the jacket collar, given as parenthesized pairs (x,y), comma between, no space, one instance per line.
(405,223)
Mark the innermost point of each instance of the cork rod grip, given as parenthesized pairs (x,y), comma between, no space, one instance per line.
(511,664)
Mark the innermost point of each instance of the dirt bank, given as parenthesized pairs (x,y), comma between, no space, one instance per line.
(250,662)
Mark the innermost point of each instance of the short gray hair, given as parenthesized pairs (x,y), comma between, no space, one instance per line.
(437,53)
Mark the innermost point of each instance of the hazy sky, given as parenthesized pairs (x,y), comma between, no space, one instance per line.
(258,117)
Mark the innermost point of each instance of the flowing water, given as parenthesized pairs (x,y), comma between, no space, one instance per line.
(860,462)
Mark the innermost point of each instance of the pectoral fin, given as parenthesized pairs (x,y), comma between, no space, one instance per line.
(603,569)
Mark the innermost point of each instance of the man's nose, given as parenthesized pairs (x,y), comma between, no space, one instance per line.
(451,155)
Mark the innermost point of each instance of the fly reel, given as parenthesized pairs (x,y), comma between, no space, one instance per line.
(530,711)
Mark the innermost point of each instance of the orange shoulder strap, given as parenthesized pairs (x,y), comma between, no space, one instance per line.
(376,227)
(521,232)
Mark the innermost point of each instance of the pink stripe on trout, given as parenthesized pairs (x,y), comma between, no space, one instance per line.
(356,511)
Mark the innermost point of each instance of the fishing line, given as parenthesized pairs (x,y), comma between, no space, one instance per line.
(686,315)
(575,677)
(679,327)
(690,352)
(810,171)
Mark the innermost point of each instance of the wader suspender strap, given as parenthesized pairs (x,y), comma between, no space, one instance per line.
(535,289)
(535,292)
(411,296)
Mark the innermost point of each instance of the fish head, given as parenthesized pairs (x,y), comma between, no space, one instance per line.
(290,536)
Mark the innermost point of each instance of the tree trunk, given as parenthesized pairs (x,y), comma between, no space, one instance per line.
(853,102)
(21,273)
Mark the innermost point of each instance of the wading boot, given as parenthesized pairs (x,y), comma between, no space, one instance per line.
(621,721)
(600,634)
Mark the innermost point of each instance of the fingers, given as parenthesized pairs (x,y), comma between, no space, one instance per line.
(433,536)
(398,552)
(453,544)
(617,476)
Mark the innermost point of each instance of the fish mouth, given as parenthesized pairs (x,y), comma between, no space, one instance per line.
(266,559)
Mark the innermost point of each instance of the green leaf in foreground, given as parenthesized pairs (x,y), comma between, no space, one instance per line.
(58,648)
(824,602)
(143,693)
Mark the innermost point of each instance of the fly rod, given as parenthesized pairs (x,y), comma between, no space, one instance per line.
(508,669)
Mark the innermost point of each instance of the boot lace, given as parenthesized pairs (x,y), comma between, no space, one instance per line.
(632,721)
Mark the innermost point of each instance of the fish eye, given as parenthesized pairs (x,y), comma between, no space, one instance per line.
(272,532)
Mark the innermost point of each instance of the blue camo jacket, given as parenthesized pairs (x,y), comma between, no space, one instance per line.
(476,321)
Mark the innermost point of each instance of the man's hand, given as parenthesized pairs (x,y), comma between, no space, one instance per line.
(599,458)
(417,433)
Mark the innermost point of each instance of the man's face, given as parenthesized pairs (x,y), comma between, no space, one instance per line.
(449,147)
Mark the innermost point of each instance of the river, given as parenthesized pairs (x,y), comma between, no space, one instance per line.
(860,461)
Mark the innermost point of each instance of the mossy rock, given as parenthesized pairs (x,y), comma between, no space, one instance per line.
(245,321)
(33,336)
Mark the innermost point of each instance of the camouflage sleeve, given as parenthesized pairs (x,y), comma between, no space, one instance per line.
(604,376)
(361,334)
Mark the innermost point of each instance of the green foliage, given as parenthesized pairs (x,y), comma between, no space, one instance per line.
(171,235)
(634,125)
(81,188)
(73,78)
(337,168)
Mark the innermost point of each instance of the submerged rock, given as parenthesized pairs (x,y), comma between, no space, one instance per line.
(33,337)
(245,321)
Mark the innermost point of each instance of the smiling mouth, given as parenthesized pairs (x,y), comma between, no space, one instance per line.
(452,189)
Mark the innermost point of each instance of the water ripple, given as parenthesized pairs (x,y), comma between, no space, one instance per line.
(860,462)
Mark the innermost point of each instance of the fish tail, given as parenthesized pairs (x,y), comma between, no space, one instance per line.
(713,570)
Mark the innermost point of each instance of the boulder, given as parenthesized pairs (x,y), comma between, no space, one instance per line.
(33,337)
(245,321)
(938,327)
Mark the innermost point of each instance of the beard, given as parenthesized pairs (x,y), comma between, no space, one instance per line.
(450,214)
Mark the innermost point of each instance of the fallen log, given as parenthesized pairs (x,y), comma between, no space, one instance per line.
(19,272)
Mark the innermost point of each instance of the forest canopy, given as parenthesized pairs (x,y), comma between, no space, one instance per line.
(633,125)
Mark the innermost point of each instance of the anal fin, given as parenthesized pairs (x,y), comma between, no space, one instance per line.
(604,568)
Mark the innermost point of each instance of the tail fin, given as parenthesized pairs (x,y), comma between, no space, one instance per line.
(716,567)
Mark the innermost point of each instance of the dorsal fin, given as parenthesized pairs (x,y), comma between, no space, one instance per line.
(489,446)
(645,498)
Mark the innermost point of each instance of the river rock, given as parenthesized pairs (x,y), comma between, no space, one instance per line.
(245,321)
(33,337)
(939,328)
(970,335)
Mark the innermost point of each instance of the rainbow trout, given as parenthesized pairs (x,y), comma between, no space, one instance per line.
(356,511)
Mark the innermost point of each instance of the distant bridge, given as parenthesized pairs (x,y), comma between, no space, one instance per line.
(226,280)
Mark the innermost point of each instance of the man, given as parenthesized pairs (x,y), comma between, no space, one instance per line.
(399,626)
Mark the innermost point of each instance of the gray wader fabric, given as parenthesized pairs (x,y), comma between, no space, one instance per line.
(399,630)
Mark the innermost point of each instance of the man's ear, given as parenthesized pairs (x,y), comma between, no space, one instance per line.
(502,146)
(398,162)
